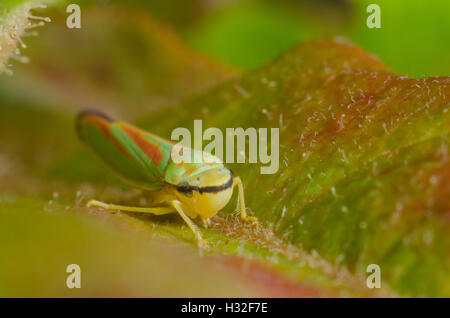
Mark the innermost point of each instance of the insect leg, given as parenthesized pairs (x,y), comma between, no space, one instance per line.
(206,222)
(241,201)
(115,207)
(178,206)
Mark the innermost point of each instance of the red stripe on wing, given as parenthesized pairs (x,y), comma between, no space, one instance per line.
(150,149)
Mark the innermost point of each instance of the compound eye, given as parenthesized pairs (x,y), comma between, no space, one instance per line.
(185,189)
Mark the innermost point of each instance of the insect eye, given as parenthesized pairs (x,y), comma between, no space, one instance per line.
(185,189)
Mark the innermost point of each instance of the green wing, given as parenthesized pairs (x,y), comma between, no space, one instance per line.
(138,157)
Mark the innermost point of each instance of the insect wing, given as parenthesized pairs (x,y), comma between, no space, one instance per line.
(138,157)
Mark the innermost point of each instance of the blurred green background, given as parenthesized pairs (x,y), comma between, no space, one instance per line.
(414,38)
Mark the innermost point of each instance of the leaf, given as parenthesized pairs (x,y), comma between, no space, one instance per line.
(363,159)
(362,177)
(113,263)
(46,175)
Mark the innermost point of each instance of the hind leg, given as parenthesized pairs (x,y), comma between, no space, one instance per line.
(115,207)
(176,206)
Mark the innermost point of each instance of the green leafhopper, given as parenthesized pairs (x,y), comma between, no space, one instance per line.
(143,160)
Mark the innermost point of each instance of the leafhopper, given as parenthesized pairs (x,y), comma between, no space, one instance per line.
(143,160)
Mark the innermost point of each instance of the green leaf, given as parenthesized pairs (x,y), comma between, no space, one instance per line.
(363,159)
(362,178)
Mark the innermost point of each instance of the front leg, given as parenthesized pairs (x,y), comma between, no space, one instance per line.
(179,208)
(241,202)
(206,222)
